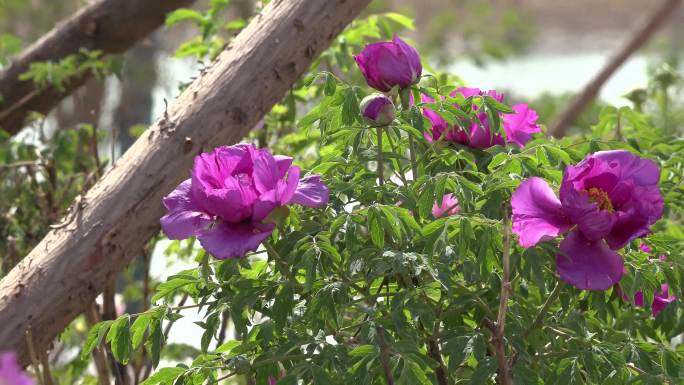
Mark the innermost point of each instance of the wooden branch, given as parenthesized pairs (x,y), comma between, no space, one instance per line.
(591,90)
(384,355)
(71,265)
(112,26)
(504,377)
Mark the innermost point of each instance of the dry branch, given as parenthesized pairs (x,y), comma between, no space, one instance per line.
(591,90)
(111,26)
(70,266)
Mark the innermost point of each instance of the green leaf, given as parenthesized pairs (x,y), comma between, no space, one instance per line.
(498,106)
(363,350)
(484,370)
(142,323)
(426,200)
(184,14)
(413,374)
(330,84)
(350,107)
(375,228)
(119,338)
(497,160)
(94,338)
(164,376)
(155,342)
(400,19)
(171,286)
(228,346)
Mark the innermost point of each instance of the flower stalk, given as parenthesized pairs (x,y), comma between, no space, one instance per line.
(384,355)
(504,376)
(381,171)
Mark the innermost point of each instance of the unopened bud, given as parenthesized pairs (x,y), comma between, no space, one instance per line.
(377,110)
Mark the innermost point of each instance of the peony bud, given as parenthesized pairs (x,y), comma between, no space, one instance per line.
(377,109)
(389,64)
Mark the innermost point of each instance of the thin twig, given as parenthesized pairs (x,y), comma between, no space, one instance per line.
(34,357)
(47,374)
(412,154)
(545,308)
(504,376)
(381,171)
(384,355)
(92,317)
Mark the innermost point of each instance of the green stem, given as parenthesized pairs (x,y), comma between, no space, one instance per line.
(412,154)
(282,267)
(381,171)
(545,308)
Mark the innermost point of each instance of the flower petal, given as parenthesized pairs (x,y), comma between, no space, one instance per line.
(537,212)
(412,57)
(593,222)
(285,190)
(265,172)
(184,218)
(520,125)
(449,206)
(234,240)
(11,372)
(634,219)
(311,192)
(662,299)
(283,163)
(588,265)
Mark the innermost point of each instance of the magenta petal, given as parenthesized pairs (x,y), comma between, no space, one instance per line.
(588,265)
(662,299)
(184,218)
(232,203)
(283,163)
(537,212)
(11,372)
(412,57)
(521,124)
(264,205)
(265,172)
(311,192)
(234,240)
(592,222)
(285,190)
(481,136)
(468,91)
(449,206)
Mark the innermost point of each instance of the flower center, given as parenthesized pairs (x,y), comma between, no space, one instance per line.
(601,198)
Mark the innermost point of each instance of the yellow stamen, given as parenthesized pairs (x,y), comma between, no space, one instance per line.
(601,198)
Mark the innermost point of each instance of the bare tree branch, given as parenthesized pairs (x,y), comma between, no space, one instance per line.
(591,90)
(111,26)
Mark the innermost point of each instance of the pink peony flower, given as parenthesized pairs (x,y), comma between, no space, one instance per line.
(608,199)
(518,126)
(389,64)
(660,299)
(449,206)
(232,191)
(11,372)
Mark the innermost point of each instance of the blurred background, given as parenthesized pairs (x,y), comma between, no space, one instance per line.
(530,49)
(539,51)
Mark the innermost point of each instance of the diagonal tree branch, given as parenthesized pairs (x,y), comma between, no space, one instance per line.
(591,90)
(71,265)
(112,26)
